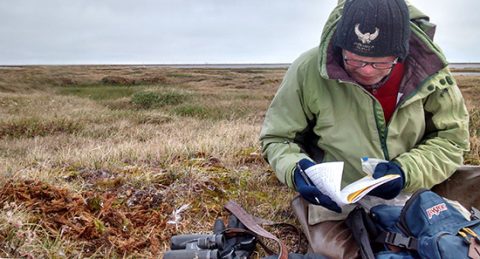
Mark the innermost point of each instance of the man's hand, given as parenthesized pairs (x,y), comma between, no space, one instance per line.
(390,189)
(309,191)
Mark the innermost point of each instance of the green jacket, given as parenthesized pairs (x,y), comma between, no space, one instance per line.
(320,113)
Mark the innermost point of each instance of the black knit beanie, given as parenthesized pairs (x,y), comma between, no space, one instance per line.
(374,28)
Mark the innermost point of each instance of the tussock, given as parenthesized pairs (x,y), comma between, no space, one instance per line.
(87,170)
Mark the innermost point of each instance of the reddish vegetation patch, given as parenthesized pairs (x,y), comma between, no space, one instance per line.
(127,222)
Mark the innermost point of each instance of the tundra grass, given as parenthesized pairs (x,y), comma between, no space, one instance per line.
(90,169)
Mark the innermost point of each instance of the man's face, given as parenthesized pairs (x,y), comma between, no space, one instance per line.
(367,75)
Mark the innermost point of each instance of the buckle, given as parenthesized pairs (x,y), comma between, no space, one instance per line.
(474,213)
(401,241)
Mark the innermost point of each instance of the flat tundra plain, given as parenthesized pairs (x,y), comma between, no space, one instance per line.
(95,161)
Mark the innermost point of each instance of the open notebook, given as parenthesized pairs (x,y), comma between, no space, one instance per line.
(328,179)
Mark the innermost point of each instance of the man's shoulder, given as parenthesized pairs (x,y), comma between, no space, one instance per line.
(308,56)
(307,60)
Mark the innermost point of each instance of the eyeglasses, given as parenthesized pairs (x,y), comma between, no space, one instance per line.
(376,65)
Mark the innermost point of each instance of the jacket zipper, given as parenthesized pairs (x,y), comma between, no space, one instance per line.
(383,139)
(397,107)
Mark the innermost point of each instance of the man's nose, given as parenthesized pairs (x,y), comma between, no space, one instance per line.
(368,69)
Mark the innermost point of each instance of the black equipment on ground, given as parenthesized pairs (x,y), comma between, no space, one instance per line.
(232,242)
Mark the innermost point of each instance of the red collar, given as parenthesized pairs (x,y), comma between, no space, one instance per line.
(387,92)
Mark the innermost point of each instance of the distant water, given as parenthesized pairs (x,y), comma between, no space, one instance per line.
(464,65)
(256,66)
(283,65)
(466,73)
(286,65)
(266,66)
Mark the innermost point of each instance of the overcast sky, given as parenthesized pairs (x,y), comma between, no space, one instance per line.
(195,31)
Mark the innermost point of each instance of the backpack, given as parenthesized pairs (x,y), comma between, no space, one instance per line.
(427,226)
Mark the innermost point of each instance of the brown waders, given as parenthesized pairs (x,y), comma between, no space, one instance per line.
(333,238)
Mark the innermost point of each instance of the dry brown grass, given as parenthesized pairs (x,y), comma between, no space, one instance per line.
(200,150)
(73,135)
(470,86)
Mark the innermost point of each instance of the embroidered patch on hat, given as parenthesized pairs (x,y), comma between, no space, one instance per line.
(367,37)
(374,28)
(436,210)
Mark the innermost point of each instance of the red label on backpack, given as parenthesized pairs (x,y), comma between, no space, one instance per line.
(436,210)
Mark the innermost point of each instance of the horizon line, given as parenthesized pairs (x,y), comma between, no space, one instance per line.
(176,64)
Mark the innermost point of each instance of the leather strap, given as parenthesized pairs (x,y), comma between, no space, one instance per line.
(250,223)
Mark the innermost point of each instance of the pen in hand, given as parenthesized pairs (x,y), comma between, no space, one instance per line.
(307,179)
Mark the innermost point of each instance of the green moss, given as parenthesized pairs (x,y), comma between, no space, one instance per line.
(99,226)
(212,111)
(148,100)
(32,127)
(100,93)
(192,110)
(180,75)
